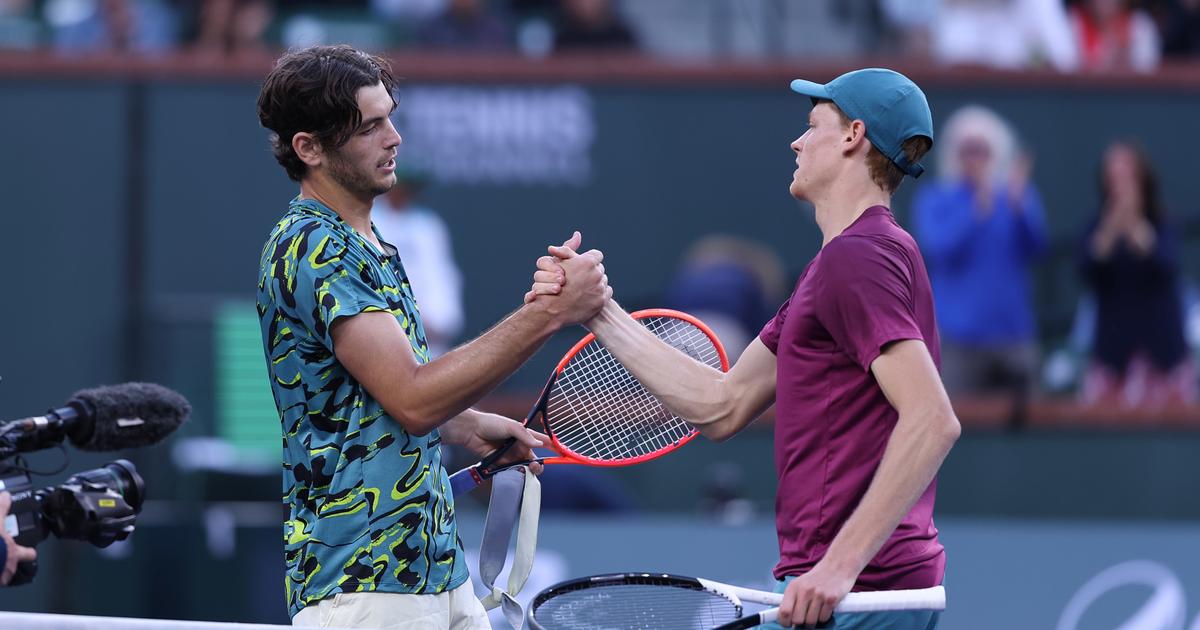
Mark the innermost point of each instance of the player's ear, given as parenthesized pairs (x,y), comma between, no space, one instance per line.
(854,136)
(308,148)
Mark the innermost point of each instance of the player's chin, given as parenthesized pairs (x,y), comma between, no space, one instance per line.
(383,184)
(796,189)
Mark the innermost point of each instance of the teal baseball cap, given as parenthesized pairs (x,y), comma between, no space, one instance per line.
(891,105)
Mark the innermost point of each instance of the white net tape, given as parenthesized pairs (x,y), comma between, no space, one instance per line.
(40,621)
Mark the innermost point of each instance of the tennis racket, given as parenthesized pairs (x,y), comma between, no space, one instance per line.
(658,601)
(597,413)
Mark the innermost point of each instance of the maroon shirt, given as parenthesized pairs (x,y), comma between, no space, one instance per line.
(865,289)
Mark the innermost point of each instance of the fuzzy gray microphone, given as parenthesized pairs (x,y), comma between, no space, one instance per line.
(129,415)
(109,418)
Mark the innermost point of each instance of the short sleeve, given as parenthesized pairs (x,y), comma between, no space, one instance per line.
(325,279)
(770,333)
(864,297)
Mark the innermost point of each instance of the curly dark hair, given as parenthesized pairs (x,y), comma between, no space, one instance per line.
(314,90)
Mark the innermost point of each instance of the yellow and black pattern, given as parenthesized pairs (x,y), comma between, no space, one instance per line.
(370,506)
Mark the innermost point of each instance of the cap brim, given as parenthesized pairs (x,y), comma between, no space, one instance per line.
(808,88)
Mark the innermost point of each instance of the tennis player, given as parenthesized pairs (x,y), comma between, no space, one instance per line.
(850,360)
(371,539)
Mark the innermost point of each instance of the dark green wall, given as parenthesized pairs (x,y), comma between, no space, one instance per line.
(85,159)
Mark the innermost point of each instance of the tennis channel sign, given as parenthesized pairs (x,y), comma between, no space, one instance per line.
(498,135)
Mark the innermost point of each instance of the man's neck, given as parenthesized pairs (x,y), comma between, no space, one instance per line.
(352,210)
(842,205)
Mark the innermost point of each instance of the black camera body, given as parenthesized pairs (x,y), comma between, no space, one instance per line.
(99,506)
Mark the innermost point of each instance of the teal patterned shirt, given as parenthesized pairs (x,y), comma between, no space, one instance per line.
(369,505)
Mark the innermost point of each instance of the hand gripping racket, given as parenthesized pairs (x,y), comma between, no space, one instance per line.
(597,413)
(658,601)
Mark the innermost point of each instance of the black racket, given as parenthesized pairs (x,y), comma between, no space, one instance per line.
(659,601)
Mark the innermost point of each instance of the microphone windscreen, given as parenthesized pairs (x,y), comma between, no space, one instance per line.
(115,411)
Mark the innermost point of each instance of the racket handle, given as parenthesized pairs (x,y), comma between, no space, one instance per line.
(751,621)
(470,477)
(465,480)
(764,617)
(485,464)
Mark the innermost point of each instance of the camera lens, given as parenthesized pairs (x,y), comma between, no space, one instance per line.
(120,476)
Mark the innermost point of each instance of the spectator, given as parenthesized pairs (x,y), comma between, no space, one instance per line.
(981,227)
(1130,262)
(584,489)
(407,9)
(592,25)
(731,284)
(232,27)
(15,7)
(421,238)
(1009,34)
(904,26)
(1110,35)
(19,26)
(1179,23)
(136,26)
(468,25)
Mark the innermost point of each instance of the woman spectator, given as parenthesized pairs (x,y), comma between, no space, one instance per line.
(1110,35)
(1140,356)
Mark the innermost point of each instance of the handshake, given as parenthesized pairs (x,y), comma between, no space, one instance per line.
(571,286)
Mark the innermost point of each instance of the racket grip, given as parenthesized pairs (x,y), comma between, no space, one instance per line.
(485,465)
(769,616)
(465,480)
(470,477)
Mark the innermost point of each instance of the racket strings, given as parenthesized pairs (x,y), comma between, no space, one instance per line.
(598,409)
(640,403)
(603,425)
(628,605)
(585,418)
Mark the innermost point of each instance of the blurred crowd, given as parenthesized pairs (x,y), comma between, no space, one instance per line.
(237,27)
(1066,35)
(982,229)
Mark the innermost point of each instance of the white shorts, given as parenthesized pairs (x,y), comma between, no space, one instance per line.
(457,609)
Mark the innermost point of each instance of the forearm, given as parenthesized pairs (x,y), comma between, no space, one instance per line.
(459,429)
(916,449)
(690,389)
(447,386)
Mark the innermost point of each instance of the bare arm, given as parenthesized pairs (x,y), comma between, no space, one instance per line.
(923,435)
(376,351)
(720,404)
